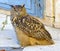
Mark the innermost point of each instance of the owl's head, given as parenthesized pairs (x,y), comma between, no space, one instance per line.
(19,9)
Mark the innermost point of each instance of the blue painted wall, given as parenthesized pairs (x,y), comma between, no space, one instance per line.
(34,7)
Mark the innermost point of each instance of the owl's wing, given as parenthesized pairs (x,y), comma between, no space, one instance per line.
(41,32)
(33,28)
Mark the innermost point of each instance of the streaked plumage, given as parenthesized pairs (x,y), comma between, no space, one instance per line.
(31,26)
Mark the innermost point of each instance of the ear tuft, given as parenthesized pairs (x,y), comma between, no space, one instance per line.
(12,6)
(23,5)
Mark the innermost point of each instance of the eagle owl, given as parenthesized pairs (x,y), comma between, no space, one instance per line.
(30,31)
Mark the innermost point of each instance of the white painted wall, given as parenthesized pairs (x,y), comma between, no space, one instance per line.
(57,11)
(48,10)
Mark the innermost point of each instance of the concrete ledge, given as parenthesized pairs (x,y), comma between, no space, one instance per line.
(57,24)
(2,11)
(48,21)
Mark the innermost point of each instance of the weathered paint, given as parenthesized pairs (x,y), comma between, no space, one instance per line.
(33,7)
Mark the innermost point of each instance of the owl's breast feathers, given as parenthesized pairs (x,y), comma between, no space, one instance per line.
(32,27)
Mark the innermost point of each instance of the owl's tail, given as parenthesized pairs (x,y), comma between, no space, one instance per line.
(34,41)
(47,36)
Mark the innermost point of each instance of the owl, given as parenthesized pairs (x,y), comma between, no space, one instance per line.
(29,30)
